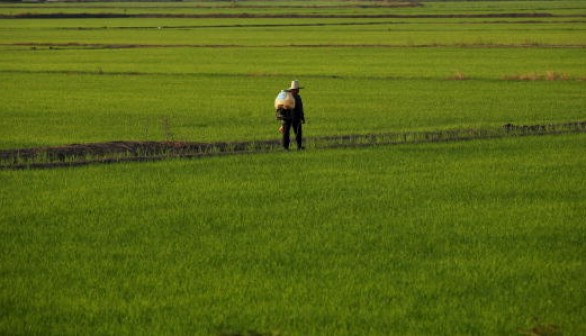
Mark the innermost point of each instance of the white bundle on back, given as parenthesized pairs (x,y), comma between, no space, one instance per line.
(285,100)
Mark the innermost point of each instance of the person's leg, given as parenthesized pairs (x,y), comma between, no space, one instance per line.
(286,134)
(297,128)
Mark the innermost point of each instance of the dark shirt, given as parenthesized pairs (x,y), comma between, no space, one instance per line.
(298,113)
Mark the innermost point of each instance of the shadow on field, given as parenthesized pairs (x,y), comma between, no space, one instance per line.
(248,333)
(139,151)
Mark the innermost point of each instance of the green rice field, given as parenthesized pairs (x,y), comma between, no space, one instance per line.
(478,237)
(483,237)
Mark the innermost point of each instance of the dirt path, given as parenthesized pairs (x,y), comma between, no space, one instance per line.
(137,151)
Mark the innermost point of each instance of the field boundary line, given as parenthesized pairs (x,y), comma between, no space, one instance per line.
(147,151)
(294,45)
(533,76)
(313,24)
(62,15)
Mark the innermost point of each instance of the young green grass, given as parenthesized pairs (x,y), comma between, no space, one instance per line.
(482,237)
(326,61)
(271,32)
(56,109)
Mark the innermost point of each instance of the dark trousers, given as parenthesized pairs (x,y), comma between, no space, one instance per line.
(297,129)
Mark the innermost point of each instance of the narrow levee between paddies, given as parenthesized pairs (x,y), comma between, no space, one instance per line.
(128,151)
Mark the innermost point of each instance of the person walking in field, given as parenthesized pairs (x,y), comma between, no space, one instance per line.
(291,115)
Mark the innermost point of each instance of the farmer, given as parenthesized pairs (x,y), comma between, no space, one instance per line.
(293,118)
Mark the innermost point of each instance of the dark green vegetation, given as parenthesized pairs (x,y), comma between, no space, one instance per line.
(466,238)
(475,238)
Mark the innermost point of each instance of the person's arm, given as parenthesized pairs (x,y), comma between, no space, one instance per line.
(301,112)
